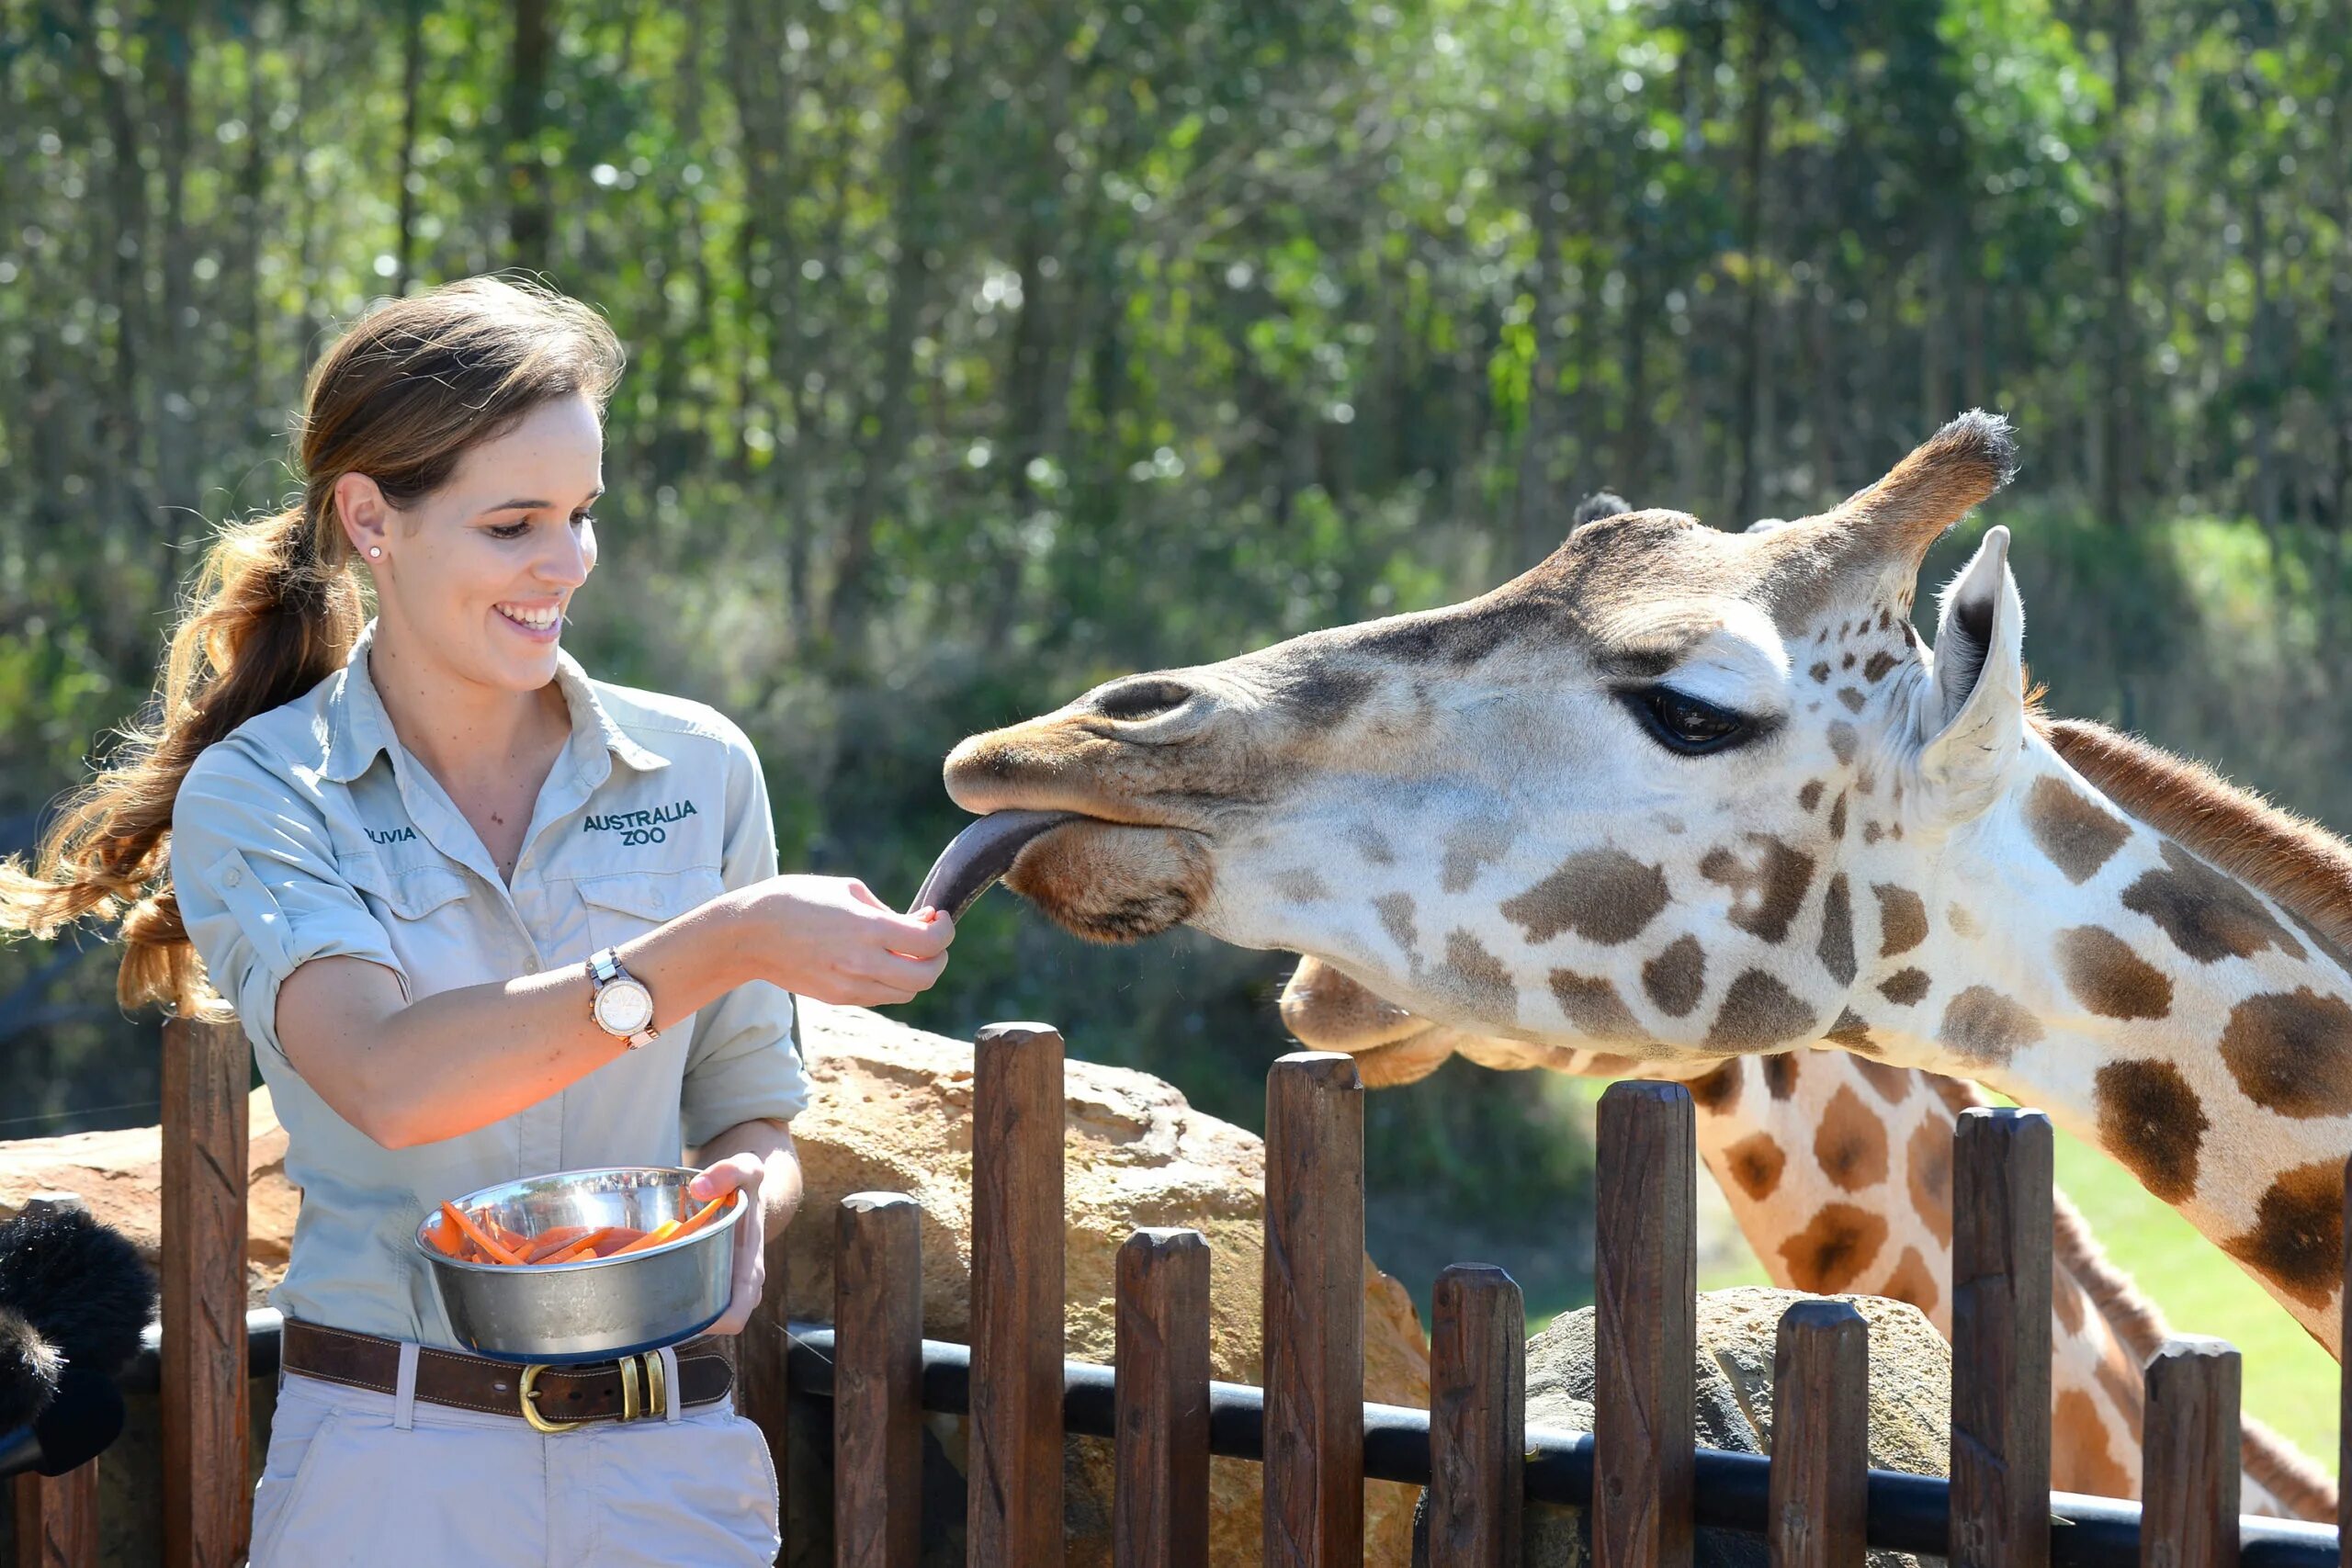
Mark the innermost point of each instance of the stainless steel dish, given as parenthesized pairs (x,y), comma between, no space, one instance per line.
(595,1309)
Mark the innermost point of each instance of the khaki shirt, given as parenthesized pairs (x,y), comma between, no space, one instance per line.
(309,832)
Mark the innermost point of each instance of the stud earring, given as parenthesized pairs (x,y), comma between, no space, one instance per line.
(374,551)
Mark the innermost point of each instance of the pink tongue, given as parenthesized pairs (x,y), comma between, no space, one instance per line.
(981,853)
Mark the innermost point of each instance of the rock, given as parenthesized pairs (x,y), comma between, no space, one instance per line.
(1910,1401)
(890,1110)
(119,1174)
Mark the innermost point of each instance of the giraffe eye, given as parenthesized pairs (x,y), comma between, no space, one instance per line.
(1687,723)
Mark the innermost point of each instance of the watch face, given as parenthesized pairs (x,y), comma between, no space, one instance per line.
(623,1007)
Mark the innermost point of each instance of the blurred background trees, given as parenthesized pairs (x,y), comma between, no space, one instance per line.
(986,349)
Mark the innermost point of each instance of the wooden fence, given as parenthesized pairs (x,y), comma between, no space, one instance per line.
(1640,1472)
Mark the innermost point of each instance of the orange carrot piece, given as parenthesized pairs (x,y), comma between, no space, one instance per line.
(474,1233)
(702,1216)
(445,1240)
(585,1247)
(654,1238)
(553,1241)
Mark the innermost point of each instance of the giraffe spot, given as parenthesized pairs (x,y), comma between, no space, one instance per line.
(1820,671)
(1835,949)
(1850,1031)
(1766,891)
(2076,835)
(2108,978)
(1881,662)
(1718,1091)
(1373,845)
(2297,1242)
(2207,915)
(1962,922)
(2067,1298)
(2150,1121)
(1395,912)
(1605,895)
(1838,817)
(1843,738)
(1892,1084)
(1781,1075)
(1912,1280)
(1872,832)
(1756,1163)
(1758,1013)
(2292,1052)
(1902,919)
(1810,796)
(2329,950)
(1885,617)
(1905,987)
(1675,978)
(1591,1006)
(1478,976)
(2079,1435)
(1851,1143)
(1468,846)
(1852,697)
(1847,662)
(1825,1256)
(1927,1166)
(1301,886)
(1985,1026)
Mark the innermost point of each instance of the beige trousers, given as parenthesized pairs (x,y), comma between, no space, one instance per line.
(356,1479)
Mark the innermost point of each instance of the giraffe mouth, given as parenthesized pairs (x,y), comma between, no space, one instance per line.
(1110,881)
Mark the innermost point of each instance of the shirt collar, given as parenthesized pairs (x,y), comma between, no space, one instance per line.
(360,729)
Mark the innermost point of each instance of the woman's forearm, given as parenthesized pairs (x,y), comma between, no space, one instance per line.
(461,1059)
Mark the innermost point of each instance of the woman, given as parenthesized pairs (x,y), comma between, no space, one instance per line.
(437,871)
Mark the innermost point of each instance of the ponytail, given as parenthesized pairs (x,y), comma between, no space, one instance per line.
(279,605)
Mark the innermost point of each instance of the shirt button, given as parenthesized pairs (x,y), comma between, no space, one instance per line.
(235,878)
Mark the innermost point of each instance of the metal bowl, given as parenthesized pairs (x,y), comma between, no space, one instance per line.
(597,1308)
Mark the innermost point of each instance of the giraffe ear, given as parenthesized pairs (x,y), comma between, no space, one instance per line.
(1972,715)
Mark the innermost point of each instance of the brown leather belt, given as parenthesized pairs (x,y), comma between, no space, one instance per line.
(551,1398)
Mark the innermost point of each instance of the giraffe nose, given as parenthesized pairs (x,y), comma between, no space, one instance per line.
(1141,698)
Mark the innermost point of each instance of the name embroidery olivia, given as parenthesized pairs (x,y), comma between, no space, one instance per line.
(639,827)
(389,835)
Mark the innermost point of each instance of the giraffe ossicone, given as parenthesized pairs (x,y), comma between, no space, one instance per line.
(1679,793)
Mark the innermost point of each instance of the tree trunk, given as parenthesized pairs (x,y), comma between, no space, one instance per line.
(2119,436)
(526,88)
(1532,503)
(1756,136)
(412,78)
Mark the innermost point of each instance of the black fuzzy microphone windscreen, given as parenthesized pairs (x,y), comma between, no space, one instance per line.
(72,1290)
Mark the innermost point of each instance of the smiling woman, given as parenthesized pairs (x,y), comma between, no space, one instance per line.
(483,917)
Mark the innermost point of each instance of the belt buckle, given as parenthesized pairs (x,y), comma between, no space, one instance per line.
(656,1385)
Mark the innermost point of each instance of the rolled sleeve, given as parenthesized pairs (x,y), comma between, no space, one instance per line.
(744,1061)
(253,870)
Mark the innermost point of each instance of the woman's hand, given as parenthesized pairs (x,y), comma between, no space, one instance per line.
(745,1173)
(829,938)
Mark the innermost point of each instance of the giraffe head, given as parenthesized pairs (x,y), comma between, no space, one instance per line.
(1625,803)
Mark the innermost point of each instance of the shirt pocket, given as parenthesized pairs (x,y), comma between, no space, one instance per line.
(422,909)
(626,904)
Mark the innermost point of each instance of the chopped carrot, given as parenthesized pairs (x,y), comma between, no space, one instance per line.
(498,1253)
(445,1239)
(654,1238)
(702,1216)
(584,1246)
(553,1241)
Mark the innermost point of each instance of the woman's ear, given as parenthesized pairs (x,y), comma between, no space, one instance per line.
(365,515)
(1970,718)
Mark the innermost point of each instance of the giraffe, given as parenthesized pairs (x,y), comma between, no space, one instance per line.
(1809,1144)
(1684,794)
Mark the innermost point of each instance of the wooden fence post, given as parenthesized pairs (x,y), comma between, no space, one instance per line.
(1015,1512)
(2344,1384)
(1821,1390)
(2000,1341)
(2189,1461)
(207,1512)
(877,1381)
(1159,1495)
(1314,1313)
(57,1519)
(762,1376)
(1645,1305)
(1477,1497)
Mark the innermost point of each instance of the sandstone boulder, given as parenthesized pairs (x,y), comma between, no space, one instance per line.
(1910,1401)
(891,1110)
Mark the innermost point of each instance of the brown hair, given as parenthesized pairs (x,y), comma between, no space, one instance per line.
(278,602)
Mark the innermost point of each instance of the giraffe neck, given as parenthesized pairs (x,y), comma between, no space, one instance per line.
(2083,962)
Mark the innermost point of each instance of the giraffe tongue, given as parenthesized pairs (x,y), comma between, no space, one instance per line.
(980,854)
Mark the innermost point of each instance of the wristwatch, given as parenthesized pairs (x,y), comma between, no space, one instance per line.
(623,1007)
